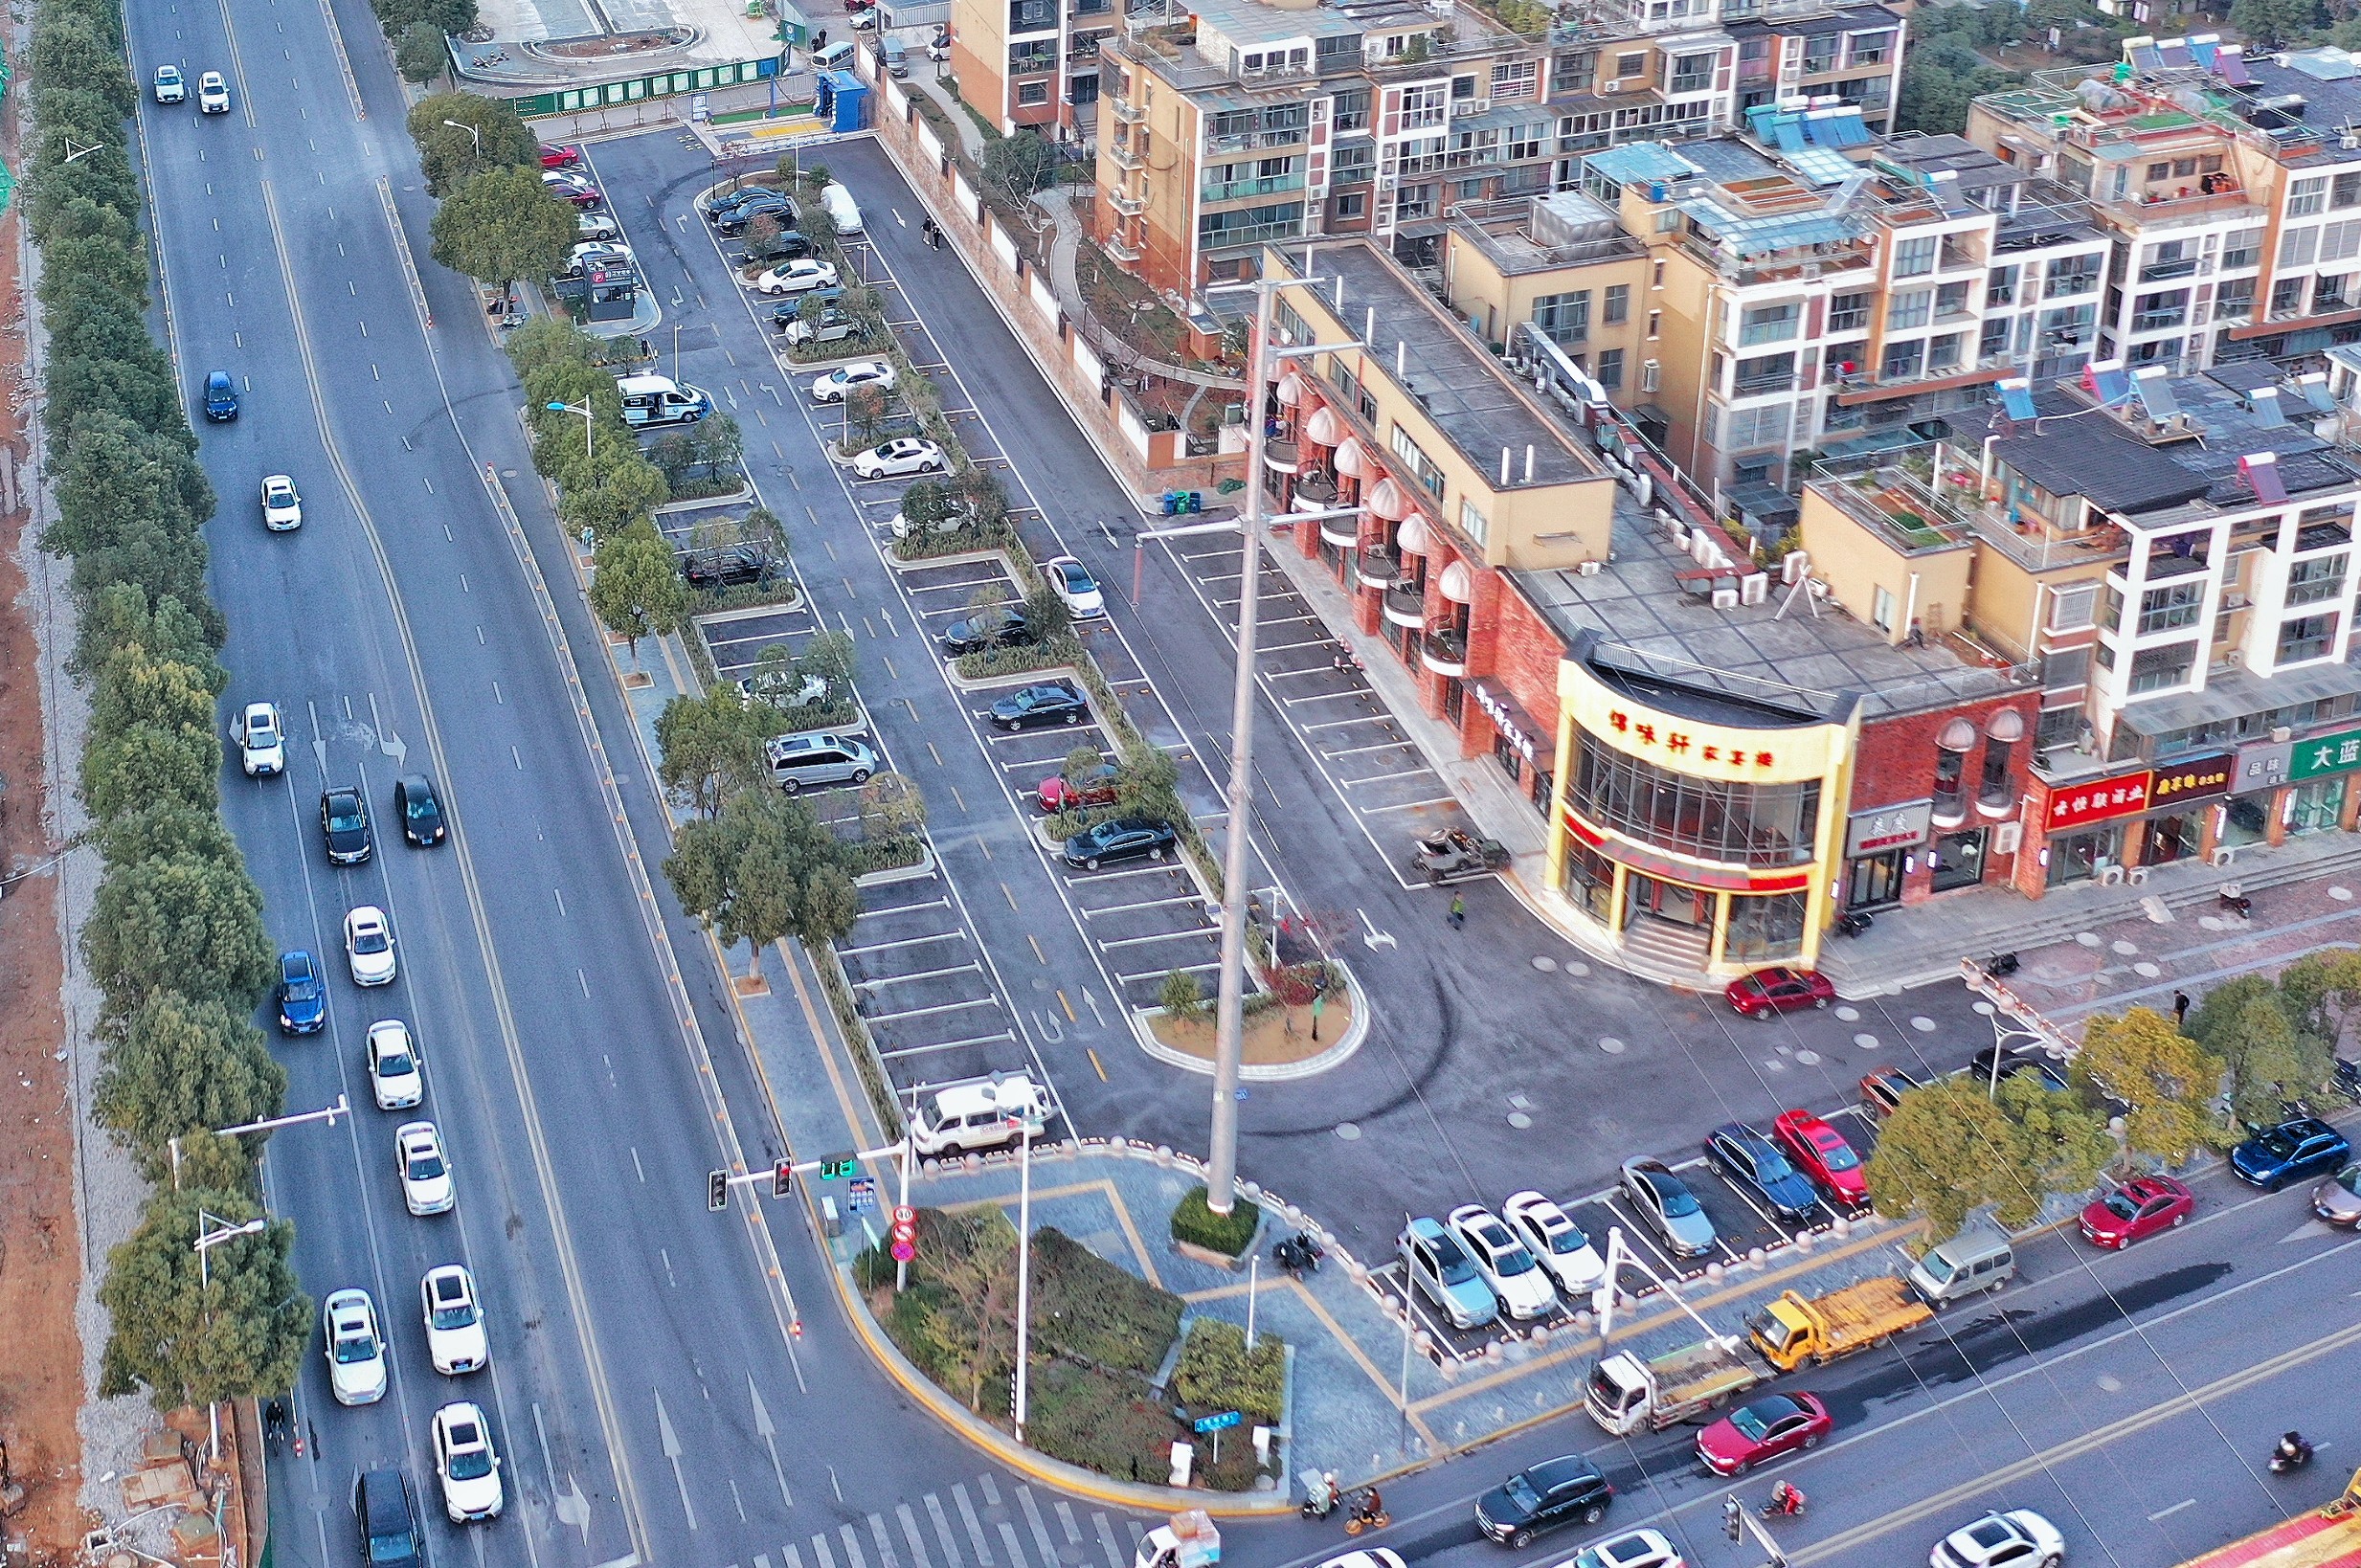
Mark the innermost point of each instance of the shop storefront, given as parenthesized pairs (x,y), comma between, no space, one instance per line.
(1881,849)
(2181,820)
(1702,833)
(2086,825)
(2281,789)
(1518,748)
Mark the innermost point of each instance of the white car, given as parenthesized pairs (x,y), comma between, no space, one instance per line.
(427,1187)
(903,455)
(1556,1241)
(795,276)
(355,1349)
(369,946)
(1515,1276)
(843,211)
(1368,1557)
(466,1464)
(212,94)
(2019,1540)
(171,87)
(1632,1549)
(788,691)
(455,1338)
(869,373)
(1073,582)
(396,1076)
(282,508)
(262,740)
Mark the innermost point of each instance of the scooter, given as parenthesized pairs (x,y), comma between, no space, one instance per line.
(1854,922)
(2238,903)
(2000,964)
(1368,1513)
(1299,1254)
(1786,1502)
(1320,1497)
(2348,1080)
(2292,1454)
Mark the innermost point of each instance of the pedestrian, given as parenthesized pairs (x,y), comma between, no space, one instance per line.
(2180,1008)
(1459,911)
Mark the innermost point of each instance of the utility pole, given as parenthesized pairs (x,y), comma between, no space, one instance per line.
(1025,1267)
(208,1240)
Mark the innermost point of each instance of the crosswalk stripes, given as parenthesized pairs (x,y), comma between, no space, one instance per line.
(969,1542)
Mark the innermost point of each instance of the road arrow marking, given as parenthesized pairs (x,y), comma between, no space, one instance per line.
(388,741)
(319,742)
(770,1438)
(672,1452)
(572,1508)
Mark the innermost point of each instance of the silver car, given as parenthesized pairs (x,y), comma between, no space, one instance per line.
(1668,1208)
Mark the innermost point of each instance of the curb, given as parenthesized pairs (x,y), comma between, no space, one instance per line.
(722,617)
(900,873)
(744,492)
(1032,677)
(1355,1034)
(956,557)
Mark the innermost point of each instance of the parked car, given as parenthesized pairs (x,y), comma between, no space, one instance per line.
(427,1187)
(283,508)
(1738,1152)
(1540,1498)
(2022,1059)
(397,1075)
(800,762)
(1060,793)
(212,94)
(843,210)
(388,1519)
(749,205)
(1438,1267)
(1120,839)
(466,1462)
(1072,581)
(2302,1145)
(1000,627)
(572,188)
(171,87)
(597,226)
(1056,702)
(797,276)
(1515,1277)
(902,454)
(1882,1090)
(1634,1548)
(2020,1538)
(420,808)
(1556,1241)
(356,1348)
(1821,1152)
(2338,1200)
(2138,1207)
(343,825)
(783,689)
(831,386)
(957,513)
(455,1338)
(369,946)
(1770,1428)
(1668,1208)
(303,999)
(220,397)
(829,326)
(785,313)
(262,740)
(727,566)
(554,156)
(1769,991)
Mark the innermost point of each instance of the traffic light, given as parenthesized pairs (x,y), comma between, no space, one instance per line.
(717,1190)
(782,1178)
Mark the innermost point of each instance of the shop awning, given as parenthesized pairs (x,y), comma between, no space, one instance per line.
(1291,389)
(1352,459)
(1665,868)
(1324,428)
(1458,583)
(1412,540)
(1386,500)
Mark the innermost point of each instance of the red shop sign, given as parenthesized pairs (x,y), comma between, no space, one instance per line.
(2125,795)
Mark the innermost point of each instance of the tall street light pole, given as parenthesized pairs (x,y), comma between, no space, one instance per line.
(328,1113)
(590,418)
(206,1242)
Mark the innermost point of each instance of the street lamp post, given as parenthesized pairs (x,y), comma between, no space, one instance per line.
(470,130)
(1024,1260)
(590,418)
(327,1114)
(206,1242)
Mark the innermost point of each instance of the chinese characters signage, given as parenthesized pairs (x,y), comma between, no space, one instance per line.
(1888,827)
(2191,780)
(2325,755)
(1678,749)
(1504,717)
(2124,795)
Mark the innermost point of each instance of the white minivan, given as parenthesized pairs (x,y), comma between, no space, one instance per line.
(650,400)
(843,210)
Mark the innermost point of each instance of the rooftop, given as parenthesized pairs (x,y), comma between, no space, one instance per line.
(570,44)
(1537,234)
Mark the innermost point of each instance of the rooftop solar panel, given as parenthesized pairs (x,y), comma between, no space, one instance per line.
(1788,132)
(2265,401)
(1837,127)
(2230,62)
(2016,398)
(2142,53)
(2316,393)
(2174,52)
(2153,385)
(2203,46)
(2261,471)
(2109,383)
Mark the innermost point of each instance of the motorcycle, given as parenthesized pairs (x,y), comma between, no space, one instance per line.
(1299,1254)
(1854,922)
(1320,1497)
(2237,903)
(2292,1454)
(2001,964)
(1786,1502)
(2348,1080)
(1368,1513)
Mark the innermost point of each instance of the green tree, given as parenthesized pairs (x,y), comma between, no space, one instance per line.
(829,905)
(119,479)
(2273,22)
(709,750)
(1149,785)
(90,318)
(891,807)
(829,655)
(1182,997)
(134,390)
(101,258)
(2322,993)
(167,827)
(181,925)
(718,442)
(69,51)
(927,503)
(2065,1143)
(137,687)
(180,1066)
(1021,164)
(1046,618)
(421,53)
(144,765)
(1947,1151)
(636,586)
(864,412)
(448,154)
(212,1164)
(2244,1022)
(983,496)
(502,224)
(2164,1080)
(232,1326)
(618,489)
(550,340)
(119,616)
(750,872)
(1082,762)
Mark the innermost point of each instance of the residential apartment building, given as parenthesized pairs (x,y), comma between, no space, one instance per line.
(1255,121)
(1032,63)
(2230,185)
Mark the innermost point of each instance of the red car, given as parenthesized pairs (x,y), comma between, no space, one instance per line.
(1882,1090)
(1820,1152)
(1057,793)
(1768,990)
(557,157)
(2137,1208)
(1784,1423)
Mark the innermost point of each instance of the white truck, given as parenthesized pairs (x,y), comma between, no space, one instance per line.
(1627,1394)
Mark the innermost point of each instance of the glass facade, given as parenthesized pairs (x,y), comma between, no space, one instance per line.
(1708,819)
(2315,805)
(1765,927)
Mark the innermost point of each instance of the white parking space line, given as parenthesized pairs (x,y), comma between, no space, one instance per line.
(945,1046)
(939,1007)
(1340,723)
(909,942)
(1197,933)
(1409,805)
(1159,974)
(1326,696)
(875,981)
(1145,904)
(1379,746)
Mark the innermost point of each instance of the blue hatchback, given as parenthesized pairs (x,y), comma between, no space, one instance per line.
(2305,1145)
(303,1001)
(220,397)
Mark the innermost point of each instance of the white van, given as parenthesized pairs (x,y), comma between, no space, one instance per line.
(837,57)
(1978,1259)
(843,210)
(977,1113)
(650,400)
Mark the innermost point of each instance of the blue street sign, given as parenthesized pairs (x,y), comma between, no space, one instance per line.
(1218,1424)
(863,1195)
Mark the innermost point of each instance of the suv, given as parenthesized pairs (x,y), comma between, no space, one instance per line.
(798,760)
(728,565)
(982,1114)
(388,1524)
(303,1001)
(1556,1491)
(220,397)
(170,87)
(829,326)
(732,212)
(1439,1269)
(999,627)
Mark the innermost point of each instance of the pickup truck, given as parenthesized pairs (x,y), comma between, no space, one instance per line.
(1627,1394)
(1794,1330)
(2329,1537)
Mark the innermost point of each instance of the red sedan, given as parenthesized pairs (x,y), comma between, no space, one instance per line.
(554,156)
(2137,1208)
(1057,793)
(1820,1152)
(1784,1423)
(1768,990)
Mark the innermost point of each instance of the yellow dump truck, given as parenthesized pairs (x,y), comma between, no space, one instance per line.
(2329,1537)
(1794,1329)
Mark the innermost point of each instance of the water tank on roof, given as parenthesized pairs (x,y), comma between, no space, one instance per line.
(1570,218)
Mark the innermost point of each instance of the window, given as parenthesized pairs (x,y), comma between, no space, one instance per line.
(1573,72)
(2340,241)
(1871,48)
(1712,817)
(1655,324)
(1910,308)
(1943,353)
(1951,298)
(1651,375)
(1032,92)
(2063,669)
(2241,248)
(1768,323)
(1767,373)
(1352,163)
(1609,371)
(1950,785)
(2304,637)
(1473,522)
(2071,608)
(2160,669)
(1421,466)
(1883,606)
(2073,274)
(1351,109)
(1995,340)
(1820,54)
(2153,312)
(2304,197)
(2000,288)
(1765,426)
(1563,318)
(2312,581)
(1903,360)
(1916,257)
(1615,308)
(1516,80)
(1526,141)
(1630,65)
(1693,73)
(2233,297)
(1848,312)
(2298,246)
(1424,108)
(1352,204)
(2333,294)
(2172,607)
(2287,297)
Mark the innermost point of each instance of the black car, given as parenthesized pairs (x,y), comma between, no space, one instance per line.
(787,310)
(1120,839)
(1057,702)
(728,567)
(1556,1491)
(787,245)
(2014,1062)
(1001,628)
(388,1519)
(344,822)
(731,214)
(420,808)
(1747,1158)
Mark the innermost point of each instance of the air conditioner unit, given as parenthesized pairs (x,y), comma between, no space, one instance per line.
(1611,87)
(2222,856)
(2234,601)
(1471,107)
(2281,735)
(2007,838)
(1590,568)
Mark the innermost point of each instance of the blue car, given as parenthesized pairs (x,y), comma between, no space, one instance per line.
(1738,1152)
(303,1001)
(2305,1145)
(220,397)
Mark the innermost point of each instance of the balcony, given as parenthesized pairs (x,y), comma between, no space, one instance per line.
(1405,604)
(1343,532)
(2184,212)
(1125,202)
(1127,111)
(1283,135)
(1248,233)
(1376,568)
(1264,185)
(1281,457)
(1894,504)
(1443,651)
(1950,807)
(2162,272)
(1754,385)
(1123,157)
(2159,320)
(1126,251)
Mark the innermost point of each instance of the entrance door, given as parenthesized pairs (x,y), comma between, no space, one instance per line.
(1669,901)
(1875,880)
